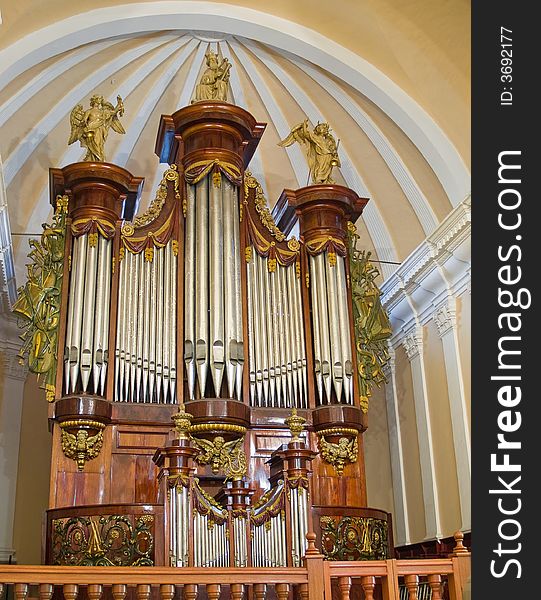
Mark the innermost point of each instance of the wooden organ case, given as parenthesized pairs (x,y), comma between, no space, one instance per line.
(202,312)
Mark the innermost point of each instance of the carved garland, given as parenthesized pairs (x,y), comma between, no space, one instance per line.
(135,242)
(157,204)
(277,250)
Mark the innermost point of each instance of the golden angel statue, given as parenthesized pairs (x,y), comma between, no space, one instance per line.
(338,454)
(322,149)
(215,79)
(91,127)
(228,457)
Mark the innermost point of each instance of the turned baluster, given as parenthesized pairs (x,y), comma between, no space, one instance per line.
(142,591)
(237,591)
(303,591)
(412,584)
(2,590)
(119,591)
(344,585)
(282,591)
(167,591)
(260,591)
(368,583)
(434,581)
(190,591)
(94,591)
(21,591)
(45,591)
(213,591)
(70,591)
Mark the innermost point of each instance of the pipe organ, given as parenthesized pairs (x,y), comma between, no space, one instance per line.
(203,310)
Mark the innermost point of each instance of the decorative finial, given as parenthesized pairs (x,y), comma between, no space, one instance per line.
(183,421)
(295,425)
(459,546)
(91,127)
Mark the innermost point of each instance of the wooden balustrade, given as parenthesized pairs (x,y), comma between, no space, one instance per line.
(319,580)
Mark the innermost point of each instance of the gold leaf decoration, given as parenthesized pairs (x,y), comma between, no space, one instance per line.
(38,302)
(371,322)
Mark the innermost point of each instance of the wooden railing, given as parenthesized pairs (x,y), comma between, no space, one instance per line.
(317,580)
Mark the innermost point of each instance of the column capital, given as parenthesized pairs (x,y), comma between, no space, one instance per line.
(445,316)
(413,343)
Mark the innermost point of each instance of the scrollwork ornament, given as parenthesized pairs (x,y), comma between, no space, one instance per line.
(371,322)
(38,302)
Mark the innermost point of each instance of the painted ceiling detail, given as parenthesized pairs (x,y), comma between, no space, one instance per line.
(156,73)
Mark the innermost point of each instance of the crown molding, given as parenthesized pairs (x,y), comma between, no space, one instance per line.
(437,270)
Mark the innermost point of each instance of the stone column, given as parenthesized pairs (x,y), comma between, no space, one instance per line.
(445,319)
(400,515)
(413,344)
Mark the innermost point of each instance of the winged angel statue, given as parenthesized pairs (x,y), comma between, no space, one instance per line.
(322,149)
(227,456)
(91,127)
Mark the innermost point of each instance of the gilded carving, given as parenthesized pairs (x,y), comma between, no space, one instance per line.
(38,302)
(215,79)
(354,538)
(226,457)
(295,424)
(155,208)
(337,455)
(108,540)
(91,127)
(322,149)
(80,446)
(261,206)
(371,322)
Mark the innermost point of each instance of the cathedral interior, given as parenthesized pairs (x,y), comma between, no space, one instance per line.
(236,263)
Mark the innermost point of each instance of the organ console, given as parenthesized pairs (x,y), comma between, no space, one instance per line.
(203,310)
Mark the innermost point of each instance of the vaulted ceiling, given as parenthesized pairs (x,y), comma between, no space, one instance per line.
(399,145)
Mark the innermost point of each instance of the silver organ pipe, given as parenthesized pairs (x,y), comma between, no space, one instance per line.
(146,338)
(87,330)
(213,338)
(240,532)
(276,335)
(237,290)
(345,338)
(79,279)
(171,300)
(268,533)
(218,271)
(189,295)
(331,333)
(201,286)
(298,505)
(210,532)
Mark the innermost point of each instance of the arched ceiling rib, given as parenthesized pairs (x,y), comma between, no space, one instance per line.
(271,83)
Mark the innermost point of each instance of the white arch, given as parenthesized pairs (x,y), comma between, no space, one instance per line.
(286,35)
